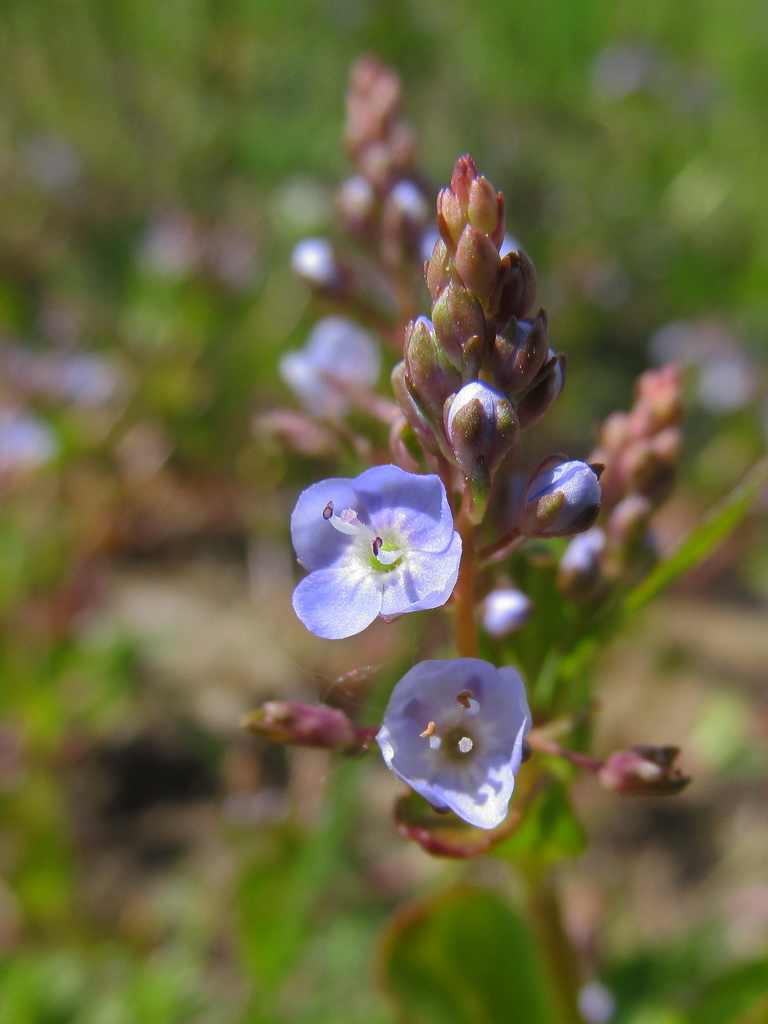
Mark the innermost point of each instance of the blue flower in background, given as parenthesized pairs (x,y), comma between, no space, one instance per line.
(339,359)
(381,544)
(454,731)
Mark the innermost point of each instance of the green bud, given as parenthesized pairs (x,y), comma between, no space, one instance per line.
(481,427)
(477,262)
(483,206)
(438,269)
(458,317)
(432,376)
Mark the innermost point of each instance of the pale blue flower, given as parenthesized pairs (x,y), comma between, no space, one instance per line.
(381,544)
(454,731)
(505,610)
(339,358)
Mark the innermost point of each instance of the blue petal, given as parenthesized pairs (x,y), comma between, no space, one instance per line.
(424,580)
(316,542)
(415,506)
(337,602)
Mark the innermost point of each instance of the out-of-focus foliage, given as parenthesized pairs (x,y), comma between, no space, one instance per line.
(157,164)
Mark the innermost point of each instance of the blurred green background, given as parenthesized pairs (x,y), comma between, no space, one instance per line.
(157,164)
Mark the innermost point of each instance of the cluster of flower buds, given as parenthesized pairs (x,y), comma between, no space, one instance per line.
(481,369)
(639,450)
(384,204)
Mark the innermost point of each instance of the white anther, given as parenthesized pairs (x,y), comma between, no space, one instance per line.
(465,744)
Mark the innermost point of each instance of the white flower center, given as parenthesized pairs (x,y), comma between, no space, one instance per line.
(454,740)
(385,555)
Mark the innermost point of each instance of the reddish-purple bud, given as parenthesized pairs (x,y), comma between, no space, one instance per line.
(519,352)
(438,269)
(644,771)
(544,391)
(463,175)
(304,725)
(450,218)
(516,287)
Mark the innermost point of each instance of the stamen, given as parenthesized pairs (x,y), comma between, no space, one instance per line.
(467,700)
(465,744)
(429,731)
(328,510)
(434,742)
(376,546)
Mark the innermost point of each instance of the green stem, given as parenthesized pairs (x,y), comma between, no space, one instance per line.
(559,958)
(464,625)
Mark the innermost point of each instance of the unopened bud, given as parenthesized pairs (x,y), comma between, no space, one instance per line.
(561,499)
(477,262)
(411,407)
(481,427)
(458,317)
(432,376)
(304,725)
(356,203)
(579,570)
(644,770)
(505,611)
(485,206)
(450,218)
(437,269)
(519,352)
(544,391)
(627,524)
(516,286)
(463,175)
(658,397)
(314,261)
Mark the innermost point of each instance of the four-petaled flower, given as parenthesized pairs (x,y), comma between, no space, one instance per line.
(454,731)
(380,544)
(338,360)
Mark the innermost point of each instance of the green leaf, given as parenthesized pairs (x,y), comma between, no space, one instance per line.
(550,831)
(463,958)
(717,526)
(736,997)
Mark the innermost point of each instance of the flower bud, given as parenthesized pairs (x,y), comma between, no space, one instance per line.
(458,318)
(545,390)
(644,770)
(316,263)
(485,207)
(437,269)
(356,202)
(402,389)
(450,218)
(304,725)
(518,353)
(579,570)
(561,498)
(505,611)
(477,262)
(481,427)
(516,286)
(433,378)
